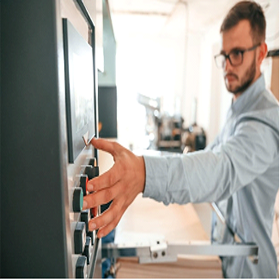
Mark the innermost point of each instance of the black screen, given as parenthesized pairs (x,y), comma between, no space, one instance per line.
(79,90)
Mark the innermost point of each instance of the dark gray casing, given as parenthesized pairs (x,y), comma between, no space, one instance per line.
(35,224)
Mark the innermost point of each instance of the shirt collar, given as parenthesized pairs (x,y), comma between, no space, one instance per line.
(249,95)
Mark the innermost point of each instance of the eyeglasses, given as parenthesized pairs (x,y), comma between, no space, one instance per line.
(235,57)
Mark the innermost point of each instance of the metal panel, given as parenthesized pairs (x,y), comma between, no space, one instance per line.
(36,179)
(33,180)
(167,252)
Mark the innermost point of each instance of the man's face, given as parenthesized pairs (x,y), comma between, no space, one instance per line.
(238,78)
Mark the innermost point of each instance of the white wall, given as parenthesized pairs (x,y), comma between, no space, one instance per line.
(153,67)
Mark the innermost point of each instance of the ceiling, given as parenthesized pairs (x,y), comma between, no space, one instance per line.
(133,18)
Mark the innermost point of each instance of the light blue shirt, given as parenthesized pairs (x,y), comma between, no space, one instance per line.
(241,166)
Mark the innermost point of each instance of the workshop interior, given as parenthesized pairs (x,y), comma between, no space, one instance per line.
(140,73)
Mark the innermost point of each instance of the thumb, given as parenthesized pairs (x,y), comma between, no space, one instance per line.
(104,145)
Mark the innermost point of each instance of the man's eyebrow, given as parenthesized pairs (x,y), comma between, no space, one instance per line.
(238,49)
(233,49)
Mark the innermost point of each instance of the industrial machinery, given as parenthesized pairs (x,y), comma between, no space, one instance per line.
(170,129)
(164,131)
(194,138)
(48,117)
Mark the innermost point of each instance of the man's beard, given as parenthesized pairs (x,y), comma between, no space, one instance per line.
(245,81)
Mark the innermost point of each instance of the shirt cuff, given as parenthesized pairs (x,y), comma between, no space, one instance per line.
(156,177)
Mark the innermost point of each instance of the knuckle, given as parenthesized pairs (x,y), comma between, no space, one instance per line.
(111,179)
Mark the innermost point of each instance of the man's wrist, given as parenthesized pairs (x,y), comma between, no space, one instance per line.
(142,175)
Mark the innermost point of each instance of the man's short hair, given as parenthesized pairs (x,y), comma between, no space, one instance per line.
(247,10)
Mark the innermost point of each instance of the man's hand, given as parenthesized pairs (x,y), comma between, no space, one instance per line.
(121,184)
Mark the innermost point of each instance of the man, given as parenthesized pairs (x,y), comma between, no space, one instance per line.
(240,168)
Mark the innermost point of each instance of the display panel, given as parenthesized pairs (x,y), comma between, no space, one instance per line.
(79,90)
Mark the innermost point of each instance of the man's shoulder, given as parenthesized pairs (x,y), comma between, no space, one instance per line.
(264,105)
(262,116)
(265,110)
(267,99)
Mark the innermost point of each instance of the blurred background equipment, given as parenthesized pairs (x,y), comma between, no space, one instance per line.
(164,131)
(152,107)
(194,138)
(170,130)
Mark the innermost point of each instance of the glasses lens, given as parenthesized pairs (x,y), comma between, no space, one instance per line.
(220,60)
(235,57)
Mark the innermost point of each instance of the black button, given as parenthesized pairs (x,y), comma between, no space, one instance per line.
(85,217)
(79,237)
(91,171)
(83,183)
(81,267)
(87,250)
(92,161)
(91,235)
(77,203)
(96,171)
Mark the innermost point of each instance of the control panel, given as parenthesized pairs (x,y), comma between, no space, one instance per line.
(86,254)
(81,119)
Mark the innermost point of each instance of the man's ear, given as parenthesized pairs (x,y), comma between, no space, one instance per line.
(262,52)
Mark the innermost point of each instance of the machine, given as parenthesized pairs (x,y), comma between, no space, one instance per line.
(48,117)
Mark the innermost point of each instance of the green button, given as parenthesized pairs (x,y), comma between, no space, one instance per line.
(81,200)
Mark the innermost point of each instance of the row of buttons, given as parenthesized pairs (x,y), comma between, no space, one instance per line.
(83,238)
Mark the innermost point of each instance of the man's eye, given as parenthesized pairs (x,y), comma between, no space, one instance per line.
(236,53)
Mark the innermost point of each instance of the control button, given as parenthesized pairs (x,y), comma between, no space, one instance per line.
(92,161)
(91,171)
(92,237)
(80,237)
(85,217)
(87,250)
(96,171)
(83,183)
(77,203)
(81,267)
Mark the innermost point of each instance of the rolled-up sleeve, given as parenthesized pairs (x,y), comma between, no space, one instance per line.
(213,175)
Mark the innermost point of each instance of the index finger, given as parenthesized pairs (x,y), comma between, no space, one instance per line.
(104,145)
(106,180)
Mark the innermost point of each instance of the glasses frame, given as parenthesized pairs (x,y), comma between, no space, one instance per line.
(227,56)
